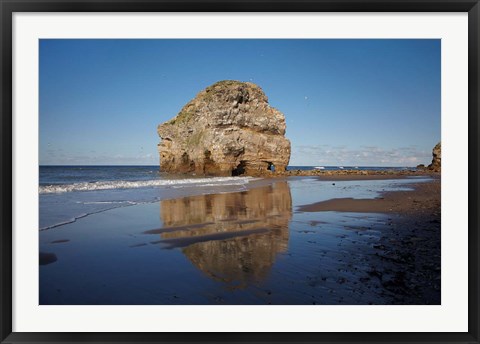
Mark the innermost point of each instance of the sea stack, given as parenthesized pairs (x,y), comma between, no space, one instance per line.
(227,129)
(436,164)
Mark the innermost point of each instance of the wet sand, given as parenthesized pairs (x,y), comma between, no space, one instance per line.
(407,260)
(423,199)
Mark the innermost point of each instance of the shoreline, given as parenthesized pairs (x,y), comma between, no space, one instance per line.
(364,172)
(347,173)
(424,198)
(373,176)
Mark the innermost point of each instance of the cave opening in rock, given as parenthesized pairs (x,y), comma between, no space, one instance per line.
(185,158)
(240,169)
(271,166)
(209,164)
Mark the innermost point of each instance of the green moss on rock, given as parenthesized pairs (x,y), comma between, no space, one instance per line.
(195,139)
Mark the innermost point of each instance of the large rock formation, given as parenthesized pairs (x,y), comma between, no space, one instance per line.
(436,164)
(227,129)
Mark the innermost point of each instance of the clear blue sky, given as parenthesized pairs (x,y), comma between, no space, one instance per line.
(346,102)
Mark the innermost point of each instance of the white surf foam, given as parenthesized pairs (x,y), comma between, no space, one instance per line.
(121,184)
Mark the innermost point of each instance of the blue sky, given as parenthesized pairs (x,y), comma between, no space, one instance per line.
(346,102)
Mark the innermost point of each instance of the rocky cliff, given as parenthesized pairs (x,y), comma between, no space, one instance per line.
(227,129)
(436,164)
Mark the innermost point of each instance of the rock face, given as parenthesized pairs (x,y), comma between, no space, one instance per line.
(436,165)
(227,129)
(420,167)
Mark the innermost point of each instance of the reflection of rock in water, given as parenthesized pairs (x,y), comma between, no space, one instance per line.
(232,237)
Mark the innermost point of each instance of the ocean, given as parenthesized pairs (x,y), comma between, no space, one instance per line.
(67,193)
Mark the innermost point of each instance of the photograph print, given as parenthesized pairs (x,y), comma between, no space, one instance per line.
(239,172)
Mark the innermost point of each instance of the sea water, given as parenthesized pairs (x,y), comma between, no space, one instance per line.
(67,193)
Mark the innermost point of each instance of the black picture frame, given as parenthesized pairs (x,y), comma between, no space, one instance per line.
(8,7)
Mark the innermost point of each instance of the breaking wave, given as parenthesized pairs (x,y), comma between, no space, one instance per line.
(122,184)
